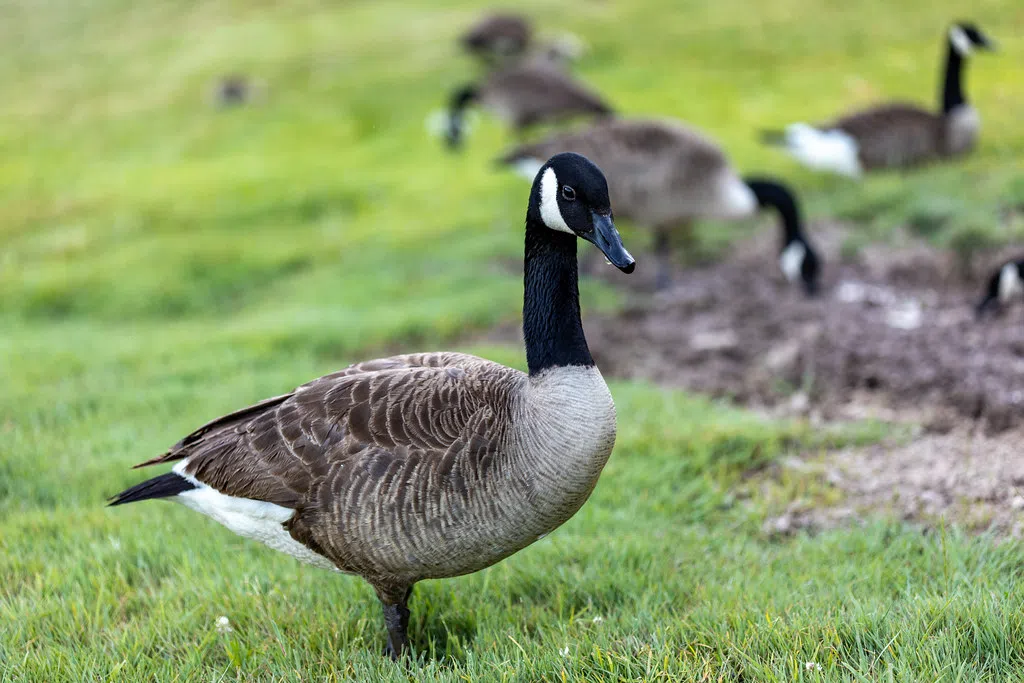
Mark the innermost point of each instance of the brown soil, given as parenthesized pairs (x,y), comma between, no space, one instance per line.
(972,479)
(892,335)
(894,329)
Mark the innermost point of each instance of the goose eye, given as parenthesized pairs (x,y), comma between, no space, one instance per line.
(568,193)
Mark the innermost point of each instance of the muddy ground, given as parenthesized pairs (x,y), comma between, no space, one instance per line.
(893,329)
(892,335)
(964,477)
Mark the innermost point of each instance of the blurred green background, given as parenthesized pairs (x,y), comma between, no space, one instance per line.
(163,262)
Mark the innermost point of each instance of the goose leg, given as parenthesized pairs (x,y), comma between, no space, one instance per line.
(396,619)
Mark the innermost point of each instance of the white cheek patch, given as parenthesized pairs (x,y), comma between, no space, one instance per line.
(1010,284)
(961,43)
(549,211)
(791,260)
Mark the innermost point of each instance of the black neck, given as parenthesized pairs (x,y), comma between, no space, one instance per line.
(551,300)
(952,89)
(776,196)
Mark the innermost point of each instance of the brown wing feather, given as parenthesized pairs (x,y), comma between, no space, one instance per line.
(893,135)
(536,93)
(364,418)
(657,170)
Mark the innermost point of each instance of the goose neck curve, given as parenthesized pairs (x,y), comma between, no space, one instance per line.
(552,328)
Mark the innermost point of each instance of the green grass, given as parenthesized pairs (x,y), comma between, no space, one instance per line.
(162,262)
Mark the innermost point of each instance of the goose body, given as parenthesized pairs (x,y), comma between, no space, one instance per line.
(498,37)
(664,175)
(530,93)
(895,135)
(425,465)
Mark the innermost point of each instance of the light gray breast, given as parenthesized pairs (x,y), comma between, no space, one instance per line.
(962,127)
(893,136)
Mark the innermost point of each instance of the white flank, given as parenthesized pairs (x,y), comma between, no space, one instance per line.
(1010,284)
(735,197)
(961,43)
(253,519)
(528,167)
(791,260)
(823,150)
(549,211)
(439,121)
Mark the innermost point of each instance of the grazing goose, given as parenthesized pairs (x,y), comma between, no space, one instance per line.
(1005,285)
(427,465)
(524,95)
(498,38)
(501,39)
(895,135)
(664,176)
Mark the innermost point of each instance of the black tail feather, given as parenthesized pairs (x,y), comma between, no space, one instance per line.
(164,486)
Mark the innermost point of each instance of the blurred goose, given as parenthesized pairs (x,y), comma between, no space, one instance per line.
(235,90)
(501,39)
(1005,285)
(497,38)
(427,465)
(895,135)
(525,95)
(664,176)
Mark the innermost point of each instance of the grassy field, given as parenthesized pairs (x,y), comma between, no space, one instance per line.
(162,262)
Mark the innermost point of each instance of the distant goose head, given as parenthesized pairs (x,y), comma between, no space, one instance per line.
(1004,286)
(455,126)
(570,196)
(965,37)
(798,261)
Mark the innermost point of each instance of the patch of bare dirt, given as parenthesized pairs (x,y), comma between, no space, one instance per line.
(892,330)
(965,477)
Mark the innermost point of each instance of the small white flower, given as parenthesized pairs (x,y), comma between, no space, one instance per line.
(812,666)
(598,619)
(564,651)
(115,543)
(223,625)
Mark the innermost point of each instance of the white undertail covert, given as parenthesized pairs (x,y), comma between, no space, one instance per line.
(255,519)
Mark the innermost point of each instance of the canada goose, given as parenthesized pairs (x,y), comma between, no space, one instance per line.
(497,38)
(665,175)
(895,135)
(501,39)
(236,89)
(427,465)
(524,95)
(1005,285)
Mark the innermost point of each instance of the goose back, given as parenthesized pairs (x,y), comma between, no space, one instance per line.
(893,135)
(497,37)
(538,92)
(659,172)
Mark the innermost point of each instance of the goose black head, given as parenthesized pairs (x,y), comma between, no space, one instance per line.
(1005,285)
(798,260)
(570,195)
(965,36)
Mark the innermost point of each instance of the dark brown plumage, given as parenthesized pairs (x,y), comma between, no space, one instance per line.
(525,95)
(896,135)
(498,38)
(425,465)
